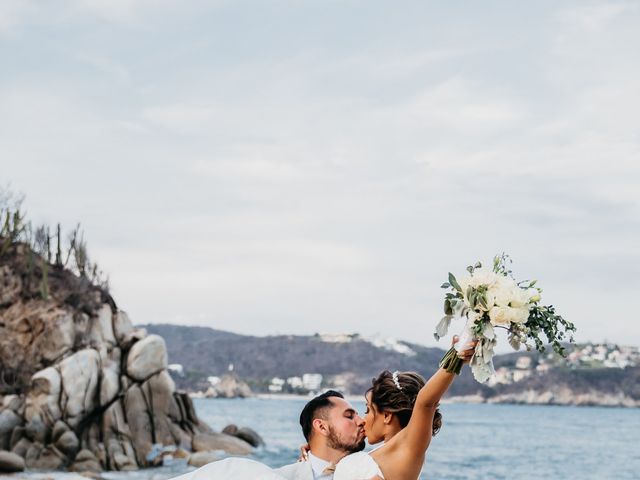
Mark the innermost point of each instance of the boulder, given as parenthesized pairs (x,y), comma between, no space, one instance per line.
(101,327)
(58,430)
(158,392)
(60,338)
(220,441)
(133,336)
(245,433)
(44,458)
(10,462)
(147,357)
(117,435)
(79,374)
(139,423)
(122,326)
(110,375)
(8,421)
(14,402)
(36,430)
(18,434)
(22,447)
(68,443)
(86,461)
(200,459)
(230,386)
(41,404)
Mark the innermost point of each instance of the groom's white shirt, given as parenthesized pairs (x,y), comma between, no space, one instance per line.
(309,470)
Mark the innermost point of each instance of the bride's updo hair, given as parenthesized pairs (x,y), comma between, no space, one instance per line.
(387,397)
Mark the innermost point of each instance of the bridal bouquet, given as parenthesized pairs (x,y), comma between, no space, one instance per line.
(491,298)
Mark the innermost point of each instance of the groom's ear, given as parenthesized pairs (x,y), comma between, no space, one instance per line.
(320,426)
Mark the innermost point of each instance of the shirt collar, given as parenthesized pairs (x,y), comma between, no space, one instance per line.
(317,465)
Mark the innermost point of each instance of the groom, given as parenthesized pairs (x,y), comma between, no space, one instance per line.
(333,430)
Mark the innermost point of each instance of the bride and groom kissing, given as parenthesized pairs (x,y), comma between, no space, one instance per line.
(401,415)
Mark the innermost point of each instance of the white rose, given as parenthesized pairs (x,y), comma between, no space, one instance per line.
(520,315)
(483,277)
(505,292)
(507,315)
(499,316)
(521,298)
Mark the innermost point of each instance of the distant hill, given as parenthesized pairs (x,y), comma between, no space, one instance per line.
(205,352)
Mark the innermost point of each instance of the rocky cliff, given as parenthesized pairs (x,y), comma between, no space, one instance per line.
(80,387)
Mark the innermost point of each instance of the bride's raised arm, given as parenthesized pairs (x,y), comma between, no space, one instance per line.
(419,431)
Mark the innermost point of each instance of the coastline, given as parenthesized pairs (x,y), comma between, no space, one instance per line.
(524,398)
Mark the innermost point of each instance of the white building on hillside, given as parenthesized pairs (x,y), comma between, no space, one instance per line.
(312,381)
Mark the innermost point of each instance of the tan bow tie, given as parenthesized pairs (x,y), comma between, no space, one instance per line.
(330,469)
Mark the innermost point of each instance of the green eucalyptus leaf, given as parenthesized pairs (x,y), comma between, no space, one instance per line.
(454,283)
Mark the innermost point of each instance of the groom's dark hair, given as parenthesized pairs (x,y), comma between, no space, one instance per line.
(313,410)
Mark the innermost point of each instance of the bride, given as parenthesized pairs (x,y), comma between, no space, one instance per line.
(402,414)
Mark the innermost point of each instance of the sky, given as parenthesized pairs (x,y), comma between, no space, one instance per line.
(292,167)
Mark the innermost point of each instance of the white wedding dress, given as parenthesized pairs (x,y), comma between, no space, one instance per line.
(357,466)
(232,468)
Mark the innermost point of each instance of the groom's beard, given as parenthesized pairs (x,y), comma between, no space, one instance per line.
(334,441)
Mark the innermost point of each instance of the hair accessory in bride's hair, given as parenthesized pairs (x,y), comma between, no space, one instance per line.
(394,375)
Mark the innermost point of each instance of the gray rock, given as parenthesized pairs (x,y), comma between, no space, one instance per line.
(101,329)
(139,423)
(41,403)
(117,437)
(36,430)
(68,444)
(230,386)
(220,441)
(200,459)
(14,402)
(109,385)
(147,357)
(60,339)
(33,452)
(89,466)
(58,429)
(158,392)
(86,461)
(22,447)
(10,462)
(8,421)
(230,429)
(122,462)
(17,435)
(48,458)
(79,374)
(132,337)
(245,433)
(122,326)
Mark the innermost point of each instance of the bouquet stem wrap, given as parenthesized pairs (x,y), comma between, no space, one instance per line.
(451,362)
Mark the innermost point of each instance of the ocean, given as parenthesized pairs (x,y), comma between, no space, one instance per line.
(476,442)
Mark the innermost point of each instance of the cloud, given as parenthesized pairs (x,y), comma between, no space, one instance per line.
(227,174)
(597,17)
